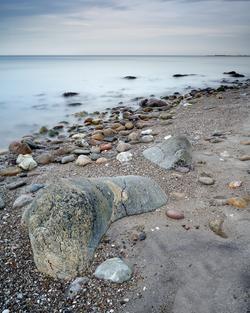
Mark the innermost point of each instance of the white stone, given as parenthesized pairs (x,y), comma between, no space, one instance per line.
(124,157)
(26,162)
(146,132)
(83,160)
(115,270)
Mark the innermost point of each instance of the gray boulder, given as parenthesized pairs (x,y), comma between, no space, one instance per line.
(173,152)
(68,219)
(115,270)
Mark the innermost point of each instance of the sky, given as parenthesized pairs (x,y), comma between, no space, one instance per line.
(164,27)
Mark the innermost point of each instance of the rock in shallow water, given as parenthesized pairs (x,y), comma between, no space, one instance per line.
(67,220)
(115,270)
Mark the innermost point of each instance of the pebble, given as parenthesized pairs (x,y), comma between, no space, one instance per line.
(174,214)
(26,162)
(34,188)
(16,185)
(44,158)
(95,149)
(182,169)
(2,204)
(205,180)
(76,286)
(147,138)
(124,156)
(97,136)
(94,156)
(129,125)
(219,200)
(101,160)
(68,158)
(115,270)
(6,311)
(10,171)
(238,202)
(235,184)
(83,160)
(244,158)
(216,227)
(122,146)
(134,136)
(166,116)
(142,236)
(22,201)
(81,151)
(246,143)
(178,195)
(146,132)
(105,147)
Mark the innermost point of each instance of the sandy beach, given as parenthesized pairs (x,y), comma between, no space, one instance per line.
(181,266)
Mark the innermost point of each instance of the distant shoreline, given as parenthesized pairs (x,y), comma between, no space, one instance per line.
(122,55)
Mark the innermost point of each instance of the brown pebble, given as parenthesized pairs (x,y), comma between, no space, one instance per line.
(174,214)
(244,158)
(106,146)
(240,203)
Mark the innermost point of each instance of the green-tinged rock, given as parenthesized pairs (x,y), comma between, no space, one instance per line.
(67,220)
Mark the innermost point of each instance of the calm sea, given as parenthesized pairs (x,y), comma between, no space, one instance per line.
(31,87)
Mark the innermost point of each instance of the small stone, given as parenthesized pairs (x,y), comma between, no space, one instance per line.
(101,161)
(53,133)
(81,151)
(246,143)
(95,149)
(166,116)
(43,130)
(134,136)
(235,184)
(98,136)
(34,188)
(44,158)
(216,227)
(216,140)
(147,138)
(94,156)
(142,236)
(134,237)
(205,180)
(219,201)
(22,201)
(6,311)
(108,132)
(129,125)
(182,169)
(106,146)
(26,162)
(10,171)
(244,158)
(2,204)
(174,214)
(17,147)
(83,160)
(122,146)
(177,195)
(238,202)
(16,185)
(76,286)
(79,136)
(116,126)
(68,158)
(146,132)
(124,157)
(115,270)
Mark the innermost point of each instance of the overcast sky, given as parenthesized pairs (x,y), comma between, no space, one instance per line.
(124,27)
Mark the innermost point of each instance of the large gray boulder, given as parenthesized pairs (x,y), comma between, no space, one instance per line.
(173,152)
(68,219)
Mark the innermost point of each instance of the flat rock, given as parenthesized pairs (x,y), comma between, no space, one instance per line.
(22,201)
(205,180)
(68,159)
(10,171)
(67,220)
(244,158)
(124,157)
(147,139)
(174,214)
(16,185)
(44,158)
(34,188)
(115,270)
(170,153)
(83,160)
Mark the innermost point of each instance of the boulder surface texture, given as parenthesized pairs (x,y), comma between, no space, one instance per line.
(173,152)
(68,219)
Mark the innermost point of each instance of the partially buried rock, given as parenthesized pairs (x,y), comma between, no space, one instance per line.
(122,146)
(76,287)
(206,180)
(170,153)
(241,203)
(134,136)
(124,157)
(216,227)
(16,185)
(83,160)
(130,77)
(44,158)
(153,102)
(2,204)
(244,158)
(67,159)
(115,270)
(17,147)
(10,171)
(34,188)
(101,160)
(147,138)
(67,220)
(235,184)
(97,136)
(70,94)
(26,162)
(174,214)
(106,147)
(22,201)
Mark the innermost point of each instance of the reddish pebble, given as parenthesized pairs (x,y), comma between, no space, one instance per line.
(106,146)
(176,215)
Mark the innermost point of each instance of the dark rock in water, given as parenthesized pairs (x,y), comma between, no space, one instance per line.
(182,75)
(130,77)
(53,133)
(31,144)
(153,102)
(74,104)
(70,94)
(234,74)
(170,153)
(67,220)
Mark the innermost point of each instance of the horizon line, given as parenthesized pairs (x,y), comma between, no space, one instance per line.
(125,55)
